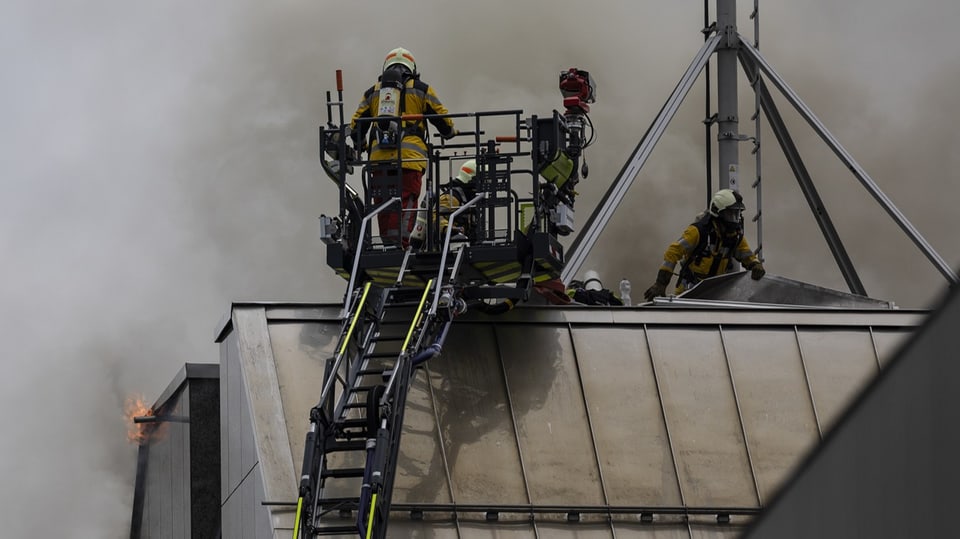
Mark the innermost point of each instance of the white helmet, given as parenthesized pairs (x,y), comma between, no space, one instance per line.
(400,56)
(726,199)
(591,280)
(467,171)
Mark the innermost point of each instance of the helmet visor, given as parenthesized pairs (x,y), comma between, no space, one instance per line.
(731,215)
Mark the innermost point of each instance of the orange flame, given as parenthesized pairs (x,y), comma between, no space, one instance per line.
(136,406)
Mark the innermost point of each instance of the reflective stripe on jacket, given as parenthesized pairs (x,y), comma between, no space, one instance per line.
(418,98)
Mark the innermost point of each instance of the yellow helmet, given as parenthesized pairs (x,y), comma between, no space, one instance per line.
(400,56)
(467,171)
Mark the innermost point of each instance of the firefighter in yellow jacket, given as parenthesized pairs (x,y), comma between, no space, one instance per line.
(707,246)
(458,192)
(400,92)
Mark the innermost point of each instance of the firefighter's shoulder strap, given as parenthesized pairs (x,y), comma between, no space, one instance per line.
(416,128)
(705,233)
(708,238)
(457,192)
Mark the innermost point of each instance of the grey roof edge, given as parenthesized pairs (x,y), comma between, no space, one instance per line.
(189,371)
(708,313)
(280,310)
(699,313)
(816,299)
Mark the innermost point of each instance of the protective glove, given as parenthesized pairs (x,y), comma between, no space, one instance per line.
(659,288)
(359,144)
(655,291)
(757,271)
(452,134)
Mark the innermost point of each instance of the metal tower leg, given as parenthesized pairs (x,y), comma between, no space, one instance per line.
(803,178)
(850,162)
(581,246)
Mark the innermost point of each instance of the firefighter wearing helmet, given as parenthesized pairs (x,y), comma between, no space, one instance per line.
(460,190)
(398,92)
(457,193)
(707,246)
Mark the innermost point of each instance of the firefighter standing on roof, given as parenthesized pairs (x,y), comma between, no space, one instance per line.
(399,92)
(707,246)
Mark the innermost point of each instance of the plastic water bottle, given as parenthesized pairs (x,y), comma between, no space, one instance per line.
(625,292)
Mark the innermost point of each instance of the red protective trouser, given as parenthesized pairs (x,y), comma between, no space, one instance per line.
(391,218)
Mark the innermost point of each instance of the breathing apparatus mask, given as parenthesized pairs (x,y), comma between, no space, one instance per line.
(732,216)
(727,206)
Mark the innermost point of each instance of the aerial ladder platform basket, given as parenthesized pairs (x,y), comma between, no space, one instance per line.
(400,301)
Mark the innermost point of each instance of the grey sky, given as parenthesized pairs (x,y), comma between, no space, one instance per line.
(157,161)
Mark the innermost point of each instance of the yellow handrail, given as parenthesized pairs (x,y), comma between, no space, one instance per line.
(296,522)
(356,316)
(373,506)
(417,315)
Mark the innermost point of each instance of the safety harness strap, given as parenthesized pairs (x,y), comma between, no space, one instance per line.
(726,247)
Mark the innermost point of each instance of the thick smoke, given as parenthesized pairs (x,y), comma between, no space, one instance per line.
(159,162)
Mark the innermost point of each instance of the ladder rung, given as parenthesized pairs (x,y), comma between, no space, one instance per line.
(336,530)
(343,472)
(381,355)
(352,436)
(333,503)
(397,304)
(388,338)
(411,290)
(353,422)
(384,372)
(344,446)
(399,322)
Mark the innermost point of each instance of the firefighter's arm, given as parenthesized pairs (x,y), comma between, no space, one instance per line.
(677,251)
(448,203)
(680,249)
(363,111)
(749,260)
(444,209)
(658,288)
(434,106)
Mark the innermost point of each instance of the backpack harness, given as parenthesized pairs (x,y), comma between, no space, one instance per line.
(387,133)
(710,241)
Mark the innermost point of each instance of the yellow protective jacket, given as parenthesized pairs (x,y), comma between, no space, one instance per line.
(450,201)
(418,98)
(704,250)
